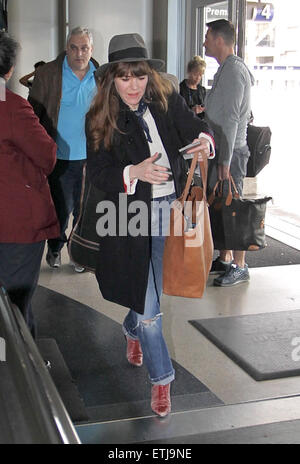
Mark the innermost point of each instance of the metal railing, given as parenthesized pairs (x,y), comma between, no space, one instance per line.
(31,408)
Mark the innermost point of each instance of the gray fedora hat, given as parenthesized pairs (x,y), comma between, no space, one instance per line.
(128,48)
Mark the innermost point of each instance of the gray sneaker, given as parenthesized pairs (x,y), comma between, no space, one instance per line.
(219,267)
(53,258)
(77,268)
(233,276)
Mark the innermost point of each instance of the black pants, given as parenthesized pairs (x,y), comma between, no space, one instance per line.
(20,265)
(65,184)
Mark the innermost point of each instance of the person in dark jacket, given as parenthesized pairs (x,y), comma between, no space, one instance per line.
(191,89)
(134,128)
(27,213)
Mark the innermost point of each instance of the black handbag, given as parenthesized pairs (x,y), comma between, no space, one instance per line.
(236,223)
(258,141)
(83,243)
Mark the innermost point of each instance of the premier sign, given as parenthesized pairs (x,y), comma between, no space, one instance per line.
(219,12)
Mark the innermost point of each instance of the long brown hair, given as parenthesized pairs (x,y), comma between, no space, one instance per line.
(103,114)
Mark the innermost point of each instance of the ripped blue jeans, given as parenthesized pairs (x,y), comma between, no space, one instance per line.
(147,327)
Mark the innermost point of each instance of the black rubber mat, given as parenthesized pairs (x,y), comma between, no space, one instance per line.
(275,254)
(93,348)
(62,378)
(266,346)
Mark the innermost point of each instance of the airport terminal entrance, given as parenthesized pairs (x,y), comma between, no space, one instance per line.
(267,41)
(87,391)
(202,12)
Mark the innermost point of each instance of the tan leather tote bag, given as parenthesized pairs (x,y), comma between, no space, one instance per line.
(188,249)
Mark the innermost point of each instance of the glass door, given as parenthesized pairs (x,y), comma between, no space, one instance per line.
(204,11)
(273,55)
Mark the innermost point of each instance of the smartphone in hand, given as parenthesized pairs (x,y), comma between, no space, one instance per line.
(188,147)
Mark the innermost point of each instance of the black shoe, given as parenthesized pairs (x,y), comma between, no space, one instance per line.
(219,267)
(53,258)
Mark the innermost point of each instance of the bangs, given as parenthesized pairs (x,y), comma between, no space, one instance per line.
(135,68)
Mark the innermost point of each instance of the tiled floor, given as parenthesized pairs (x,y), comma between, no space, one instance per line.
(270,289)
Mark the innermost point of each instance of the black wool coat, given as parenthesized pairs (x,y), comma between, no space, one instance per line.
(123,261)
(186,94)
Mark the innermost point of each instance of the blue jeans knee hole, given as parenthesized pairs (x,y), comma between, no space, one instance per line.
(148,323)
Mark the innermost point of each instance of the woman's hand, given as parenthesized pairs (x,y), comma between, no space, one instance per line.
(147,171)
(198,109)
(203,149)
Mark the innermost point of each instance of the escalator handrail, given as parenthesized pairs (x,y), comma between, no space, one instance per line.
(47,407)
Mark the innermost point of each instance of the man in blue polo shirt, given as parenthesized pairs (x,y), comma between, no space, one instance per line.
(61,96)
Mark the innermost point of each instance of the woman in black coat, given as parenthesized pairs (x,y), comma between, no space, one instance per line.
(135,127)
(191,89)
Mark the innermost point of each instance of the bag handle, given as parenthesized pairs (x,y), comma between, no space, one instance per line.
(232,183)
(203,170)
(229,197)
(204,174)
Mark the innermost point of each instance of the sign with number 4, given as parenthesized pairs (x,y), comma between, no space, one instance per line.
(263,12)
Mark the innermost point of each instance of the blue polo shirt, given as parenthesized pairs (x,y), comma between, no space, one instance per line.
(76,99)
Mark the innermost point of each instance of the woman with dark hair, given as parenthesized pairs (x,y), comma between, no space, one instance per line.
(27,214)
(135,127)
(28,78)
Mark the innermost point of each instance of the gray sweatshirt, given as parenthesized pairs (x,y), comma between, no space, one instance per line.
(227,107)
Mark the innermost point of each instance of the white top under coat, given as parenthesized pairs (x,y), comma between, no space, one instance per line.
(156,146)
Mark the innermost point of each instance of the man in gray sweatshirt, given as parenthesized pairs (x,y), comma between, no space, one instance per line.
(228,111)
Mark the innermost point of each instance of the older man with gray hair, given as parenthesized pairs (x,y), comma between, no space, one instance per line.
(61,95)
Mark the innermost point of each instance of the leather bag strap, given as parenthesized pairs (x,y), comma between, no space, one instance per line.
(229,197)
(203,170)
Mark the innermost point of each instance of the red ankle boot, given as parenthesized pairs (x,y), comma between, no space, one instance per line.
(134,352)
(160,400)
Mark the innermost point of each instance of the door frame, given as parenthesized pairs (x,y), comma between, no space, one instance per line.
(195,26)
